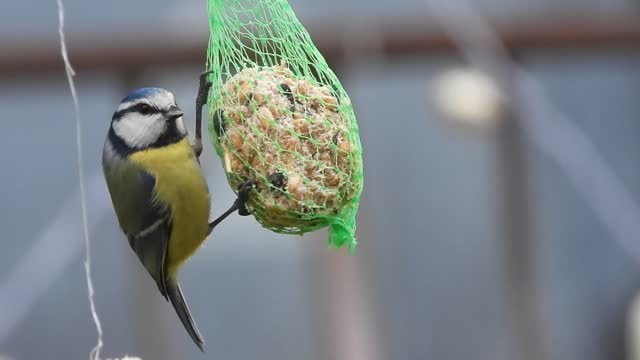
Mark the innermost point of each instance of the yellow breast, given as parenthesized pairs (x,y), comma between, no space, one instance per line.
(181,186)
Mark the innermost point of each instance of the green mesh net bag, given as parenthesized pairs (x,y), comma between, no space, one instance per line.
(279,116)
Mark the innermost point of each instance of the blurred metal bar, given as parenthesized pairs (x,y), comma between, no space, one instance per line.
(353,331)
(115,51)
(525,295)
(346,324)
(519,250)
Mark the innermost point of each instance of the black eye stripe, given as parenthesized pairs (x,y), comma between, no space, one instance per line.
(144,108)
(138,108)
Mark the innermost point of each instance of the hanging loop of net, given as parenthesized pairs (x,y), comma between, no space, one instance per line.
(278,116)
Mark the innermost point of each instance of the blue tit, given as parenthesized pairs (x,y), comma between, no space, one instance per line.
(160,197)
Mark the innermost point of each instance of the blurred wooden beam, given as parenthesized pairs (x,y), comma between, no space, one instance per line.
(117,51)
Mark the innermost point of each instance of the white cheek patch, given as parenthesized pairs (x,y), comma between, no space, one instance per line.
(180,126)
(138,130)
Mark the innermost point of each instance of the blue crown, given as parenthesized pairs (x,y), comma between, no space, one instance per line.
(142,93)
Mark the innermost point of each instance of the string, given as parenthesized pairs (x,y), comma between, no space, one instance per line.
(95,352)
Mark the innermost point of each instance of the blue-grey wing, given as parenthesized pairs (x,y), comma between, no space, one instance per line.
(151,248)
(145,221)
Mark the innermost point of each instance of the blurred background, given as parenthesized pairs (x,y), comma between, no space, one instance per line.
(499,218)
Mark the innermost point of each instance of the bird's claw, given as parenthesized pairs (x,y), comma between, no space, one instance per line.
(203,88)
(201,99)
(243,196)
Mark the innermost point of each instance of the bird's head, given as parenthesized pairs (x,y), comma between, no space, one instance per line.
(148,117)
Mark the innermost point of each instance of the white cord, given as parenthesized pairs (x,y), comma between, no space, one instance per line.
(95,352)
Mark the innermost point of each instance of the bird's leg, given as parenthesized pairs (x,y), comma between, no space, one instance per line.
(245,188)
(201,100)
(239,204)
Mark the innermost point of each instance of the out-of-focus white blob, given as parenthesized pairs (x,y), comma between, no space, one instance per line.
(469,97)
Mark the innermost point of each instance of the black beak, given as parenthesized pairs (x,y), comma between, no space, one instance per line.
(174,112)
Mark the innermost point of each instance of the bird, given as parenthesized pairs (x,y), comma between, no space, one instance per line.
(160,196)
